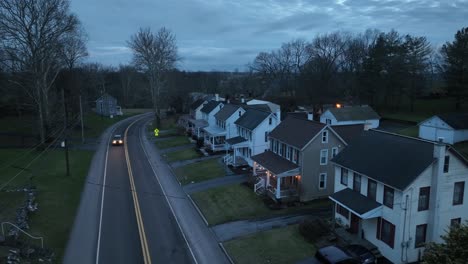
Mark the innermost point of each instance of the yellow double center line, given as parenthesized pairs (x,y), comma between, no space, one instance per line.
(141,227)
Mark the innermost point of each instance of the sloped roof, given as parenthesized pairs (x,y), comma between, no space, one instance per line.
(355,201)
(226,111)
(262,107)
(235,140)
(273,162)
(252,118)
(392,159)
(354,113)
(196,104)
(210,106)
(348,132)
(296,132)
(455,120)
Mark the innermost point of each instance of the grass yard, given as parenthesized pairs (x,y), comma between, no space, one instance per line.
(185,154)
(462,147)
(276,246)
(410,131)
(95,124)
(172,142)
(200,171)
(238,202)
(58,195)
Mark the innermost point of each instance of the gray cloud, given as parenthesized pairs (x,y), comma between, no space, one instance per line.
(224,35)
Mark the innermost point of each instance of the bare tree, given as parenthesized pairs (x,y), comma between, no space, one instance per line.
(155,54)
(33,33)
(74,47)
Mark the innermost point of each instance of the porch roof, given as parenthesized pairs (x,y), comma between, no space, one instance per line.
(215,131)
(198,123)
(237,142)
(276,164)
(357,203)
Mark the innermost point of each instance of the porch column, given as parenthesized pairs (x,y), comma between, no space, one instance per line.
(278,187)
(268,179)
(255,168)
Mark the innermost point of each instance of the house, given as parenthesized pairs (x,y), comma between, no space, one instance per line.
(296,166)
(106,105)
(224,128)
(195,108)
(399,192)
(450,128)
(252,130)
(194,122)
(265,106)
(351,115)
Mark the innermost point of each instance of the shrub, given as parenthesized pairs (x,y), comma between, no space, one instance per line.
(312,230)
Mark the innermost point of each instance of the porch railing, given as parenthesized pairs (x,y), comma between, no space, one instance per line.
(286,192)
(260,184)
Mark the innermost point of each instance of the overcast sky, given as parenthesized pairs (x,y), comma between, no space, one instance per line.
(227,34)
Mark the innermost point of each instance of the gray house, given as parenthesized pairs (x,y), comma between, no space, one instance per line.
(106,105)
(297,165)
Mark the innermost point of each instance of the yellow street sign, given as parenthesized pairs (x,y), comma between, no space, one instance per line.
(156,132)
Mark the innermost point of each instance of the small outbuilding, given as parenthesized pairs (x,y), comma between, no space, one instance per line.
(106,105)
(351,115)
(448,128)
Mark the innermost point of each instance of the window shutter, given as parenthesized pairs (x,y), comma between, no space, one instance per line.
(378,228)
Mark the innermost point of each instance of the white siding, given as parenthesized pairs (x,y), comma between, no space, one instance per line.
(231,128)
(434,127)
(460,135)
(373,123)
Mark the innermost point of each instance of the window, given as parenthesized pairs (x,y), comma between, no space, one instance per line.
(389,194)
(386,231)
(371,189)
(266,136)
(455,222)
(323,156)
(357,182)
(275,146)
(334,152)
(270,121)
(458,192)
(423,202)
(280,146)
(284,150)
(328,121)
(240,113)
(446,163)
(342,211)
(295,155)
(288,153)
(322,180)
(420,235)
(325,136)
(344,176)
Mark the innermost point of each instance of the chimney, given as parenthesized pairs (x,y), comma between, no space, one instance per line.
(217,97)
(242,100)
(436,186)
(310,116)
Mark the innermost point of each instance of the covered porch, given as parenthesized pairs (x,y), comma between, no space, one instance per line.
(279,177)
(240,149)
(195,127)
(215,138)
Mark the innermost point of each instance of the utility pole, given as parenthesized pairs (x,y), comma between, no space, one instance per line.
(82,124)
(65,130)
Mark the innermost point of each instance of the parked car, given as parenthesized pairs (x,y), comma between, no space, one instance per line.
(335,255)
(364,255)
(117,140)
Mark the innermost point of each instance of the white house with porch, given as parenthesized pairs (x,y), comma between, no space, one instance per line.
(209,122)
(399,192)
(252,128)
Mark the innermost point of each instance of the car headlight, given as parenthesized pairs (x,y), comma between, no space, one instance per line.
(113,142)
(120,141)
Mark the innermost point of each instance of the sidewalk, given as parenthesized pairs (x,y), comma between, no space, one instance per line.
(201,239)
(213,183)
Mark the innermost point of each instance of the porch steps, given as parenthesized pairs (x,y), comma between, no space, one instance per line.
(203,151)
(259,187)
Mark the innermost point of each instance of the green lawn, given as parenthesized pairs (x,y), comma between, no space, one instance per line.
(58,195)
(185,154)
(95,124)
(276,246)
(410,131)
(172,142)
(238,202)
(17,124)
(200,171)
(462,147)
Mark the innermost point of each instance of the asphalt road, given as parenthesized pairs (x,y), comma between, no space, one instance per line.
(123,237)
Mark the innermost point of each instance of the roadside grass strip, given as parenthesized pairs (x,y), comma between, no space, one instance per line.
(276,246)
(185,154)
(173,142)
(200,171)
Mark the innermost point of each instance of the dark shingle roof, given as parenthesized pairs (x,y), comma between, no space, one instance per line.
(349,132)
(354,113)
(392,159)
(262,107)
(196,104)
(235,140)
(210,106)
(355,201)
(296,132)
(273,162)
(226,111)
(252,118)
(300,115)
(455,120)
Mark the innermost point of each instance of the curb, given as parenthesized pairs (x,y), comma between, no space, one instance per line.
(198,209)
(226,253)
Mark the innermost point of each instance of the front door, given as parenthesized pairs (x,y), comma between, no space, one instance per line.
(354,227)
